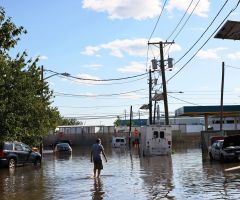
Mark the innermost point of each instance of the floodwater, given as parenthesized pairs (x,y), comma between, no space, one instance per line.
(186,174)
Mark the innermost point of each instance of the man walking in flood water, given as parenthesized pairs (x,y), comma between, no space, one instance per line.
(97,150)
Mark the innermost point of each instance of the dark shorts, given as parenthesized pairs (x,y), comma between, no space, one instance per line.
(98,164)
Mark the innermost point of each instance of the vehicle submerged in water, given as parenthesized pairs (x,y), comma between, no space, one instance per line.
(156,140)
(119,142)
(225,149)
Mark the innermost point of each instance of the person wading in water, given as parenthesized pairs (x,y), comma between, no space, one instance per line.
(97,150)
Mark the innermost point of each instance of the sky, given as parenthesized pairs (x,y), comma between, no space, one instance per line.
(103,46)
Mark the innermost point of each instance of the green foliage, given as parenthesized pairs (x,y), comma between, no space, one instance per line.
(117,122)
(25,100)
(65,121)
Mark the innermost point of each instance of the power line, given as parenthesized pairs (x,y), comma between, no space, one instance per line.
(204,43)
(202,33)
(186,20)
(91,79)
(157,20)
(183,26)
(232,67)
(180,20)
(98,95)
(183,100)
(91,83)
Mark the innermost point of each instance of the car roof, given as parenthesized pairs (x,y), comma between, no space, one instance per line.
(62,143)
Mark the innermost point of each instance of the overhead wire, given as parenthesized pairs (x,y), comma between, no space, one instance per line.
(203,32)
(93,83)
(98,95)
(186,21)
(232,67)
(183,100)
(91,79)
(157,20)
(180,20)
(182,26)
(204,43)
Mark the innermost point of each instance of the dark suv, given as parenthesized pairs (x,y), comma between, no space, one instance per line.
(15,153)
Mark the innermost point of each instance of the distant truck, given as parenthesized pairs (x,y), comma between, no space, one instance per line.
(119,142)
(155,140)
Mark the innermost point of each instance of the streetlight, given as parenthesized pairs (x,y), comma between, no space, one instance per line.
(54,74)
(43,79)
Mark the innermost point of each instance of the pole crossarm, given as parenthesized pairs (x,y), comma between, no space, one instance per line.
(154,43)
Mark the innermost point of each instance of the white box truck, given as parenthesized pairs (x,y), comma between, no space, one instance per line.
(156,140)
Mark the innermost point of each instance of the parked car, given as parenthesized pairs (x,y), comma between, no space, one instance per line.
(225,149)
(61,141)
(16,153)
(62,147)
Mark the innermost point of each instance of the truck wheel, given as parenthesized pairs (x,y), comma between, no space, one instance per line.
(12,163)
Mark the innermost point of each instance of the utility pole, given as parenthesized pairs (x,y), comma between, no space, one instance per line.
(222,88)
(150,96)
(41,138)
(130,127)
(163,78)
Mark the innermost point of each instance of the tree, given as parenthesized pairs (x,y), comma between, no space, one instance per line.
(25,100)
(65,121)
(117,122)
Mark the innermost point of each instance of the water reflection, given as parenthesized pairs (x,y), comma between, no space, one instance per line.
(157,175)
(186,174)
(97,191)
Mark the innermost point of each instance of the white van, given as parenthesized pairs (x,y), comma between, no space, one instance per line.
(119,142)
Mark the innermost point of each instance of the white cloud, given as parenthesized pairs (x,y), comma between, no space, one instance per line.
(134,47)
(93,66)
(90,50)
(133,68)
(123,9)
(42,57)
(234,56)
(210,53)
(201,10)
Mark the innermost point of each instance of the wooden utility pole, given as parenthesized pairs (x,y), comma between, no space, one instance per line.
(222,89)
(130,126)
(150,97)
(41,138)
(163,78)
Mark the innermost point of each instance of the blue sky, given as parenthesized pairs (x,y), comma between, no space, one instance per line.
(106,39)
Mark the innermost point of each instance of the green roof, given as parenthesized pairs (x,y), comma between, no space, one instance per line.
(228,110)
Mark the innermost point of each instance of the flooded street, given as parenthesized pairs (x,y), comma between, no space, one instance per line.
(187,174)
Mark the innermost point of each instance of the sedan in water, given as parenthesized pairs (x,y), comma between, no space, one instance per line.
(63,147)
(225,149)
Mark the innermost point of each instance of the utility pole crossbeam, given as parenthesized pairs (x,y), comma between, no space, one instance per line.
(163,77)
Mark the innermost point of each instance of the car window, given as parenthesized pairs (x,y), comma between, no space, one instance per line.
(18,147)
(8,146)
(26,147)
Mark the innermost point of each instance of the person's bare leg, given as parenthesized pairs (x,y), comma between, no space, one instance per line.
(94,172)
(99,172)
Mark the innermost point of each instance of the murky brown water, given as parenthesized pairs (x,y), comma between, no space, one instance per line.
(185,175)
